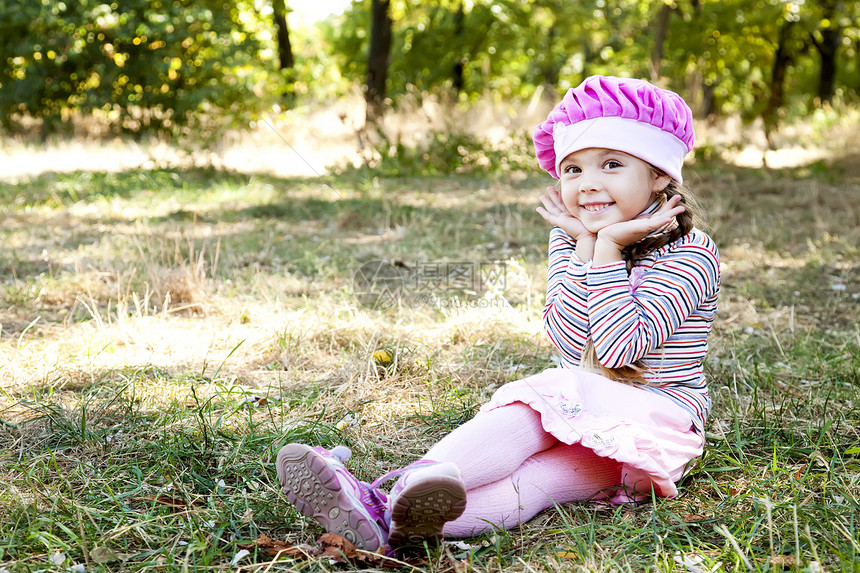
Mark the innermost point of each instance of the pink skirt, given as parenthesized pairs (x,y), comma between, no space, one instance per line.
(649,435)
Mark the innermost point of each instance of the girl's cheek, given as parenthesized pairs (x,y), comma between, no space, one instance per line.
(570,205)
(568,201)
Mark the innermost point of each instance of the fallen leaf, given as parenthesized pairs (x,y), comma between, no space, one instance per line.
(241,554)
(177,505)
(341,550)
(102,555)
(819,459)
(693,562)
(276,547)
(337,549)
(784,561)
(257,401)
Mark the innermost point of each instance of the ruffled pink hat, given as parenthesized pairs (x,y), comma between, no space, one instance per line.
(629,115)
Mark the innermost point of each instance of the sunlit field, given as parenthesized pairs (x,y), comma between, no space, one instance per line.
(167,327)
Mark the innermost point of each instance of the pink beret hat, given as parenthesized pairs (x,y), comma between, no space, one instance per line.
(628,115)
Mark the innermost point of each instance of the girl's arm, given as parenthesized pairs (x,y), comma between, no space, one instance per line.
(566,311)
(624,326)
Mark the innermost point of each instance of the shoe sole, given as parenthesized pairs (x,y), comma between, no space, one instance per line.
(314,489)
(422,509)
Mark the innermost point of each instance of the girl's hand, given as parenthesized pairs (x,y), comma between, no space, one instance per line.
(626,233)
(555,213)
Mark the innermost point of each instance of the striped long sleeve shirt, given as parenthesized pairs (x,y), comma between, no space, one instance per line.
(661,317)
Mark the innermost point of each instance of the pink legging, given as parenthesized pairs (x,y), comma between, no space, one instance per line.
(513,469)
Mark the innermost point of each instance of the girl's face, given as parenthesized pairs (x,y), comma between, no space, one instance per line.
(603,186)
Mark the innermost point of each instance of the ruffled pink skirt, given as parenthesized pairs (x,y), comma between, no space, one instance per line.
(649,435)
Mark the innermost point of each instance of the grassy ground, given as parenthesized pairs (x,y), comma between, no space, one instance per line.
(165,332)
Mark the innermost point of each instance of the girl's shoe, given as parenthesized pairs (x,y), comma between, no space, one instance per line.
(317,483)
(422,501)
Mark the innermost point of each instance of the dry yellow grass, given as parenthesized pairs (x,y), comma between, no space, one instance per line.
(150,306)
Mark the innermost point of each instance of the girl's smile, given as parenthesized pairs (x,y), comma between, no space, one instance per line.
(595,207)
(601,187)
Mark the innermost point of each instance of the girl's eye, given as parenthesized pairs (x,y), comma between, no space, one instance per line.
(572,169)
(612,164)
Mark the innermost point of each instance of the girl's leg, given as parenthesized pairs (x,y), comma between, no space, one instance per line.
(493,444)
(487,448)
(561,474)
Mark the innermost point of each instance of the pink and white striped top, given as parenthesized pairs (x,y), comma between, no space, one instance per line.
(661,314)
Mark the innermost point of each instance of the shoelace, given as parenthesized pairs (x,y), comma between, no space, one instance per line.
(400,471)
(343,453)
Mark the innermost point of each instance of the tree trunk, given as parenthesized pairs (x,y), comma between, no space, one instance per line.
(708,105)
(831,38)
(457,73)
(550,69)
(709,101)
(781,61)
(660,40)
(827,72)
(377,61)
(285,49)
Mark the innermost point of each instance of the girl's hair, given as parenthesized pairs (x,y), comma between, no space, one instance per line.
(635,373)
(637,251)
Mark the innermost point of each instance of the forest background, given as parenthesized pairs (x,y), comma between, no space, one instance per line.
(183,68)
(224,228)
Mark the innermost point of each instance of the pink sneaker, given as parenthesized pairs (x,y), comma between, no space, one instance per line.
(422,501)
(317,483)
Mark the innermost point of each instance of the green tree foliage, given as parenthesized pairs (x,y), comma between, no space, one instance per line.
(140,65)
(437,41)
(720,54)
(189,67)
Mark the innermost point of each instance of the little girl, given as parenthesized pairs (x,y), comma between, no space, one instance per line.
(631,296)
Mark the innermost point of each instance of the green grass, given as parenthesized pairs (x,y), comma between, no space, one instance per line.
(165,332)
